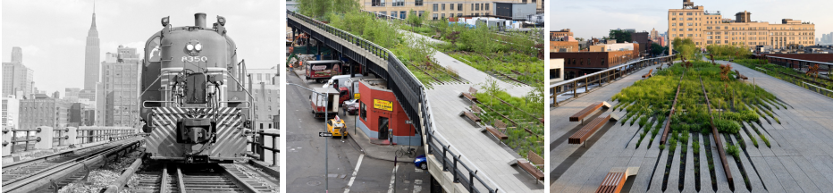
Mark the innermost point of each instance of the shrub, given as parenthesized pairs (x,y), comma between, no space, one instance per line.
(732,150)
(727,126)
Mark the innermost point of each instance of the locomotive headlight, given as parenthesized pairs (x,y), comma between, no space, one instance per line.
(199,47)
(189,47)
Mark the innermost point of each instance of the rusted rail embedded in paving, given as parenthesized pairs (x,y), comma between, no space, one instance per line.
(671,111)
(600,77)
(715,136)
(30,178)
(583,134)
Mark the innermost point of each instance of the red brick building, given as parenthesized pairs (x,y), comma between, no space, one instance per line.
(581,63)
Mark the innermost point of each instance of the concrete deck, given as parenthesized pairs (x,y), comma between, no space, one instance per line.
(492,159)
(799,159)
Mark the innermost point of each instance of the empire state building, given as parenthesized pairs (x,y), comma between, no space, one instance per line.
(91,58)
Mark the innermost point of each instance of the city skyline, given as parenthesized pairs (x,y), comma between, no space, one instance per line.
(598,17)
(52,34)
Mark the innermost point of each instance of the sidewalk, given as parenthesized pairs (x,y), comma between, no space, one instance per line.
(372,149)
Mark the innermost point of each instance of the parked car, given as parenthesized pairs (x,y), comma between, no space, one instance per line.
(420,162)
(352,106)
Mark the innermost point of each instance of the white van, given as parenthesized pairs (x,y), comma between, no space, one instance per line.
(339,80)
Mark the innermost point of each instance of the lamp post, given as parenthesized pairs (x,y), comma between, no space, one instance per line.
(326,187)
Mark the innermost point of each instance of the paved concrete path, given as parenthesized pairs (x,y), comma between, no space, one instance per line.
(474,76)
(490,157)
(799,159)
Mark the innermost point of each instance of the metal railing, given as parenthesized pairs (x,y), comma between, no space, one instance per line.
(25,140)
(602,77)
(258,146)
(92,135)
(411,93)
(799,64)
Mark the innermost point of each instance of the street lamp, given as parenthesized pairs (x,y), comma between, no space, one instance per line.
(326,188)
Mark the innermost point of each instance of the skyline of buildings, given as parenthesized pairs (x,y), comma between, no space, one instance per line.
(705,28)
(440,8)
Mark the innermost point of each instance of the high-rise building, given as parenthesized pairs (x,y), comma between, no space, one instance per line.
(16,76)
(706,28)
(91,58)
(439,8)
(265,90)
(17,55)
(120,78)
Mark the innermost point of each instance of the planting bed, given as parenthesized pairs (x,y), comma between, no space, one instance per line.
(732,104)
(788,74)
(523,117)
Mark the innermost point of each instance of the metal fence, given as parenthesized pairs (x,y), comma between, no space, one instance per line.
(602,77)
(259,147)
(411,93)
(799,64)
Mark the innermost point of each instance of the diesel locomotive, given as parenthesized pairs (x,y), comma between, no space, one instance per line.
(193,103)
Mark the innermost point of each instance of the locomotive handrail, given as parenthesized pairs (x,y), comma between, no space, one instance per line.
(156,101)
(413,93)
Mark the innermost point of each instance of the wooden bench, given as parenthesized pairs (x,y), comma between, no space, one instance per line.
(471,116)
(612,183)
(534,158)
(470,95)
(580,116)
(539,175)
(648,74)
(739,76)
(580,136)
(476,109)
(501,125)
(615,179)
(496,133)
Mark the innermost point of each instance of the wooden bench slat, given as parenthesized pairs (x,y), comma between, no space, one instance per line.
(580,136)
(471,116)
(585,112)
(535,158)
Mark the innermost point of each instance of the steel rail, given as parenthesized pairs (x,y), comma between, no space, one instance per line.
(44,177)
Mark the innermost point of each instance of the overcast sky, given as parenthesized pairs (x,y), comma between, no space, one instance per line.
(596,17)
(52,33)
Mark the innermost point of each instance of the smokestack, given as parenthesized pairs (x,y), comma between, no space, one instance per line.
(200,20)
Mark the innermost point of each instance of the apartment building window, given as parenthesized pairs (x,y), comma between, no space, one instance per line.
(434,16)
(689,35)
(680,35)
(418,2)
(442,7)
(673,19)
(451,6)
(434,7)
(689,24)
(690,19)
(673,24)
(397,3)
(443,15)
(460,6)
(460,14)
(420,13)
(680,24)
(487,6)
(477,7)
(681,13)
(378,3)
(689,29)
(689,13)
(554,73)
(472,7)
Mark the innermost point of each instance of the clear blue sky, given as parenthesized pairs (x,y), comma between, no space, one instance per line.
(599,16)
(53,33)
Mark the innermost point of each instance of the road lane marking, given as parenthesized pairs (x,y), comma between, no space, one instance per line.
(393,179)
(355,171)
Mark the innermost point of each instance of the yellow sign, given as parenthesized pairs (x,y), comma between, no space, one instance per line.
(383,105)
(356,96)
